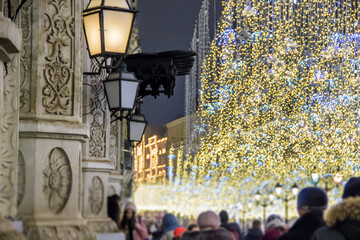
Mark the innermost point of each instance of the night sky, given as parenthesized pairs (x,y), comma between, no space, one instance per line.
(168,25)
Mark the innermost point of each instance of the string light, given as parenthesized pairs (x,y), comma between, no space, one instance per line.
(279,103)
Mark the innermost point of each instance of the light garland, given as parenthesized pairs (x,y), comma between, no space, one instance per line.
(279,102)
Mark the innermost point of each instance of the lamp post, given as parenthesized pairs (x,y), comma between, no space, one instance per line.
(315,178)
(108,25)
(136,126)
(336,177)
(286,197)
(264,201)
(121,89)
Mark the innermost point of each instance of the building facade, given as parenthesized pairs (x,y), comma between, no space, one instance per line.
(60,154)
(150,159)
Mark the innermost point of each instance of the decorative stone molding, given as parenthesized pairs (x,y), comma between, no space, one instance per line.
(103,226)
(57,180)
(114,144)
(13,235)
(96,195)
(9,125)
(20,179)
(60,233)
(58,73)
(26,56)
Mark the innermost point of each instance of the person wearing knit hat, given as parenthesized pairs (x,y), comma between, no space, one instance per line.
(178,232)
(311,204)
(169,224)
(275,227)
(133,227)
(208,220)
(343,219)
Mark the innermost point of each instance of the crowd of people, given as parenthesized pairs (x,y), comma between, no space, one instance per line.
(316,221)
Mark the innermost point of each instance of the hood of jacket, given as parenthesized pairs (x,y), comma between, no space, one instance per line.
(347,210)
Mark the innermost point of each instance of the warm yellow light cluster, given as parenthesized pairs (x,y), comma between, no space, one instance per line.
(146,160)
(279,102)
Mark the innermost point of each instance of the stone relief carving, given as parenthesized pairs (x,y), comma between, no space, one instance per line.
(97,136)
(9,139)
(58,73)
(60,233)
(13,235)
(21,178)
(114,143)
(96,195)
(103,226)
(57,180)
(25,79)
(97,108)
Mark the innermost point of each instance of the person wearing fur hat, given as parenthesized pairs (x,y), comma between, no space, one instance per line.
(311,204)
(133,228)
(343,219)
(275,227)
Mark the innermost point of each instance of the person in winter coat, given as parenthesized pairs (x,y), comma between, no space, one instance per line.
(134,229)
(208,220)
(275,227)
(311,204)
(169,224)
(232,227)
(255,232)
(210,234)
(209,223)
(343,219)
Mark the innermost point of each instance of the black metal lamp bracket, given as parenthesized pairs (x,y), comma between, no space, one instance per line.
(102,64)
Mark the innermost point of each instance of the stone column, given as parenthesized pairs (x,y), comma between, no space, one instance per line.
(51,128)
(97,151)
(10,44)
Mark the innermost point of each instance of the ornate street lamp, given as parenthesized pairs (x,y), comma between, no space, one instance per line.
(121,89)
(286,197)
(278,189)
(315,178)
(108,25)
(338,177)
(136,128)
(258,196)
(295,189)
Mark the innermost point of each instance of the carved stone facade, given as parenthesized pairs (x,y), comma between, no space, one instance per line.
(10,44)
(57,180)
(96,195)
(59,151)
(60,233)
(59,28)
(51,129)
